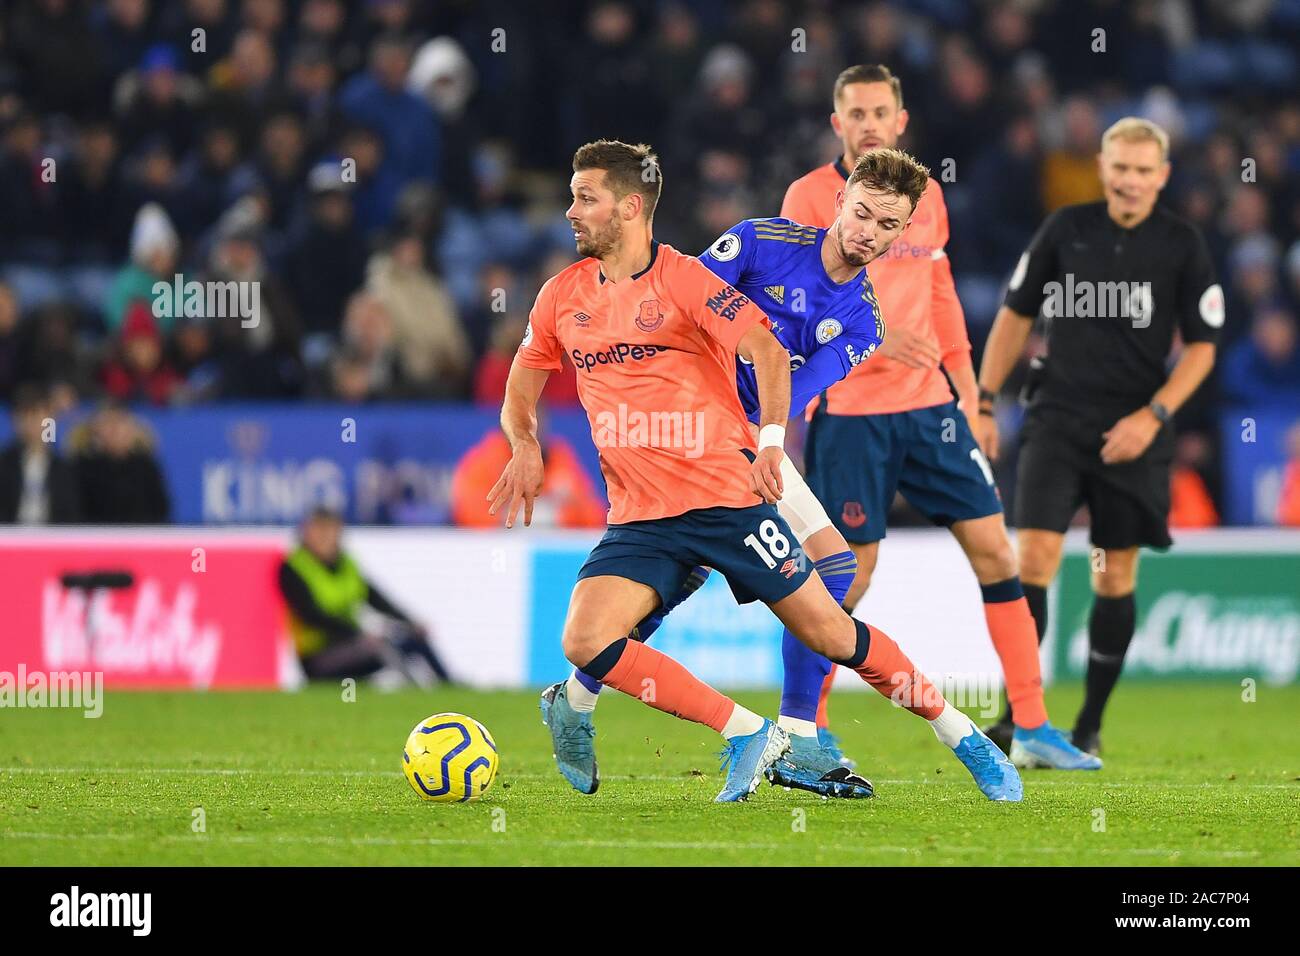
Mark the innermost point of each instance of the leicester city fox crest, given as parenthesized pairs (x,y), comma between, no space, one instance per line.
(828,329)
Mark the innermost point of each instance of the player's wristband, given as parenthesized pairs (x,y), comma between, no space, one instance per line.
(987,396)
(771,436)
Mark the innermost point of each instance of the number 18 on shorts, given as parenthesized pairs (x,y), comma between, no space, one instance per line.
(753,548)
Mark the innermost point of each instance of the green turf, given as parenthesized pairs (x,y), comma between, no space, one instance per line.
(1194,775)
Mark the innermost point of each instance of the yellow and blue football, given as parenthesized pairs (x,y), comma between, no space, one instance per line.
(450,758)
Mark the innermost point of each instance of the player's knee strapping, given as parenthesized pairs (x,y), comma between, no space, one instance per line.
(837,572)
(805,670)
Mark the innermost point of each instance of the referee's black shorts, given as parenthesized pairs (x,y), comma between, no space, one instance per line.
(1060,468)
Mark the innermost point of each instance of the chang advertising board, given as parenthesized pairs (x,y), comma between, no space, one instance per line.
(1199,615)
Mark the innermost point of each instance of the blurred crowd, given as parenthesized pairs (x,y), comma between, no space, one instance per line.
(393,173)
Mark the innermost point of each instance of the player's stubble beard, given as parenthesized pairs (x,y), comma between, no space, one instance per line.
(600,244)
(852,258)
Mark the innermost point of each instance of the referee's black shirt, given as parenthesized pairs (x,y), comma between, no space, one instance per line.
(1112,298)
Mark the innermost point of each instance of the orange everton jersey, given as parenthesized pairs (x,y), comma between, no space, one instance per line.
(655,356)
(913,282)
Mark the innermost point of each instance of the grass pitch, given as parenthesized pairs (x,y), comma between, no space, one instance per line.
(1193,775)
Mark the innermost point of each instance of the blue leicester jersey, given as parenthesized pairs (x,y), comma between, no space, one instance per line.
(827,327)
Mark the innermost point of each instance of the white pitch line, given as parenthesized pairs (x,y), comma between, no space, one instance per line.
(210,771)
(392,841)
(1074,781)
(608,844)
(1084,778)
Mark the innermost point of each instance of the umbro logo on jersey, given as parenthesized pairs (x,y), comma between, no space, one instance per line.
(582,318)
(777,292)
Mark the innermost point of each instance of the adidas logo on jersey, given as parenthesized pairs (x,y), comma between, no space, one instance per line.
(777,292)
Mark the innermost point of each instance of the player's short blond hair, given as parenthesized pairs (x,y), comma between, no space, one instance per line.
(893,170)
(1135,129)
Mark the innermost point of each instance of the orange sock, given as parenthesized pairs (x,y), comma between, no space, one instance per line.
(658,680)
(1015,638)
(823,715)
(886,668)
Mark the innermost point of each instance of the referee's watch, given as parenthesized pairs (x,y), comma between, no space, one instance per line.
(1160,412)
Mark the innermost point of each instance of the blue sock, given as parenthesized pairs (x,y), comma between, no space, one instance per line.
(806,670)
(587,681)
(650,623)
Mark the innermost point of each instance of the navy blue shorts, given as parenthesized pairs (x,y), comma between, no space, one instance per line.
(753,548)
(856,463)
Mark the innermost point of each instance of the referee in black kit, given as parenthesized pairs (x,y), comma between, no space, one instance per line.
(1115,280)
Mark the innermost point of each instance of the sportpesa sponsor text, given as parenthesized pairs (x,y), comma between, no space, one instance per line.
(614,355)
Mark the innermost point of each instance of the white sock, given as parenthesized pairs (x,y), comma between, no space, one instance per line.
(580,699)
(951,726)
(800,728)
(742,723)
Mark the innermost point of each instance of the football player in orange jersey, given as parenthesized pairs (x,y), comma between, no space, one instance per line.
(904,422)
(654,336)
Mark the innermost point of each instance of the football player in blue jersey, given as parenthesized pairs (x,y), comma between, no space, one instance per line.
(813,285)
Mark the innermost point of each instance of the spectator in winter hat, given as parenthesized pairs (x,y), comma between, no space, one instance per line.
(155,252)
(137,372)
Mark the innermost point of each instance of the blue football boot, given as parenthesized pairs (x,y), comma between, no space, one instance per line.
(812,767)
(572,734)
(1046,746)
(993,772)
(831,744)
(748,758)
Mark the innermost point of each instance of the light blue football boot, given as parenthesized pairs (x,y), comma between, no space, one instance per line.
(1046,746)
(572,734)
(817,769)
(831,744)
(993,772)
(748,758)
